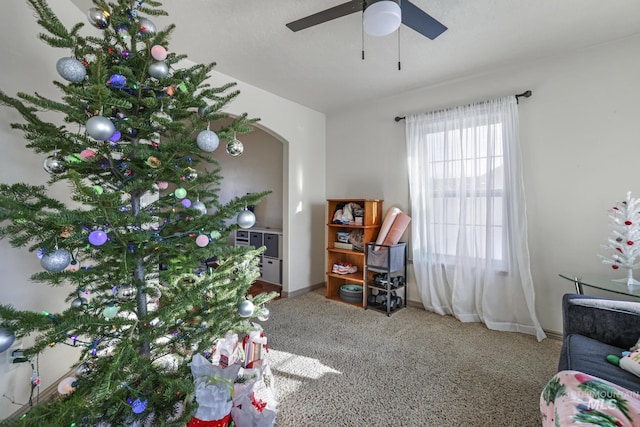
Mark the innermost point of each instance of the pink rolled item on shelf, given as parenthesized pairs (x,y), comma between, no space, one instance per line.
(389,217)
(398,228)
(393,227)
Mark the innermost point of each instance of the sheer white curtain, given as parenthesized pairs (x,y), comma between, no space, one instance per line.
(469,228)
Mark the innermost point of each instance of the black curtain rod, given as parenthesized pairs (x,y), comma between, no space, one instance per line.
(525,94)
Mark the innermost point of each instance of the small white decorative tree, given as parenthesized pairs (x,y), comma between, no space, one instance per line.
(624,243)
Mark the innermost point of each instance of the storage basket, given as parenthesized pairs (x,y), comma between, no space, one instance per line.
(383,257)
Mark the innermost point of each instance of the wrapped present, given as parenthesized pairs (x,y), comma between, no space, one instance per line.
(213,388)
(255,347)
(226,351)
(196,422)
(254,401)
(253,413)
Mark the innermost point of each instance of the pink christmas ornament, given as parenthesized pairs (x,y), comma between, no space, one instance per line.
(87,154)
(67,385)
(158,53)
(202,240)
(163,185)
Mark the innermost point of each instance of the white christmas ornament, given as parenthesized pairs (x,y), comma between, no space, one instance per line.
(207,140)
(246,219)
(55,261)
(71,69)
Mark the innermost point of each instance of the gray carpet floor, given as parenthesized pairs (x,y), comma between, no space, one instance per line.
(339,365)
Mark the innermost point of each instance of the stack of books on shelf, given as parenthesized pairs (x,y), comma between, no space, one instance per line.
(343,241)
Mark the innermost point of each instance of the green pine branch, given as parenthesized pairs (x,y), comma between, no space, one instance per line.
(170,304)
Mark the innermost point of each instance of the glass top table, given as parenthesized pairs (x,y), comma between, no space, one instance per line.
(611,285)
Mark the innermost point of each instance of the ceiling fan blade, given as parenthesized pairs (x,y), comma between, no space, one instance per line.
(417,19)
(327,15)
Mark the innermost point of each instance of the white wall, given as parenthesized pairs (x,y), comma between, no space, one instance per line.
(28,65)
(258,168)
(581,153)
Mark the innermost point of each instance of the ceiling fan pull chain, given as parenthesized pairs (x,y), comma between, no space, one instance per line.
(362,34)
(399,66)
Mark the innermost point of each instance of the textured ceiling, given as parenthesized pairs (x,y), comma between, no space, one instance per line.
(321,67)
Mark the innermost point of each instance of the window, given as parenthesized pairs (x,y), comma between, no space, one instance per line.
(467,172)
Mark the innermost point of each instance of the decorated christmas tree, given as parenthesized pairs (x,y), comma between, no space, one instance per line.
(624,242)
(142,242)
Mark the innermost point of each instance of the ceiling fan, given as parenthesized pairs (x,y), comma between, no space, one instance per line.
(380,17)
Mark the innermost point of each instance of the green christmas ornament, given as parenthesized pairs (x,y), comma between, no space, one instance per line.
(110,311)
(180,193)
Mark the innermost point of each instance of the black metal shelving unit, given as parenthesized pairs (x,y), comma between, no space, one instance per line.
(385,277)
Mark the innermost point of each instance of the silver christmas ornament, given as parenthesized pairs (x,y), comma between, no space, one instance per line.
(207,140)
(125,292)
(158,70)
(245,309)
(263,315)
(6,339)
(147,27)
(98,18)
(203,110)
(100,128)
(200,207)
(246,219)
(83,370)
(235,148)
(71,69)
(190,175)
(55,261)
(79,302)
(54,164)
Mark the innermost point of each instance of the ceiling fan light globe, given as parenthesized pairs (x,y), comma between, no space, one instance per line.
(382,18)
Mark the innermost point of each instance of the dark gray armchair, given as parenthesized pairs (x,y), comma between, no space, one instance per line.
(594,327)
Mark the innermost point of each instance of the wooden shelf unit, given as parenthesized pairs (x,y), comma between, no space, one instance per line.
(371,222)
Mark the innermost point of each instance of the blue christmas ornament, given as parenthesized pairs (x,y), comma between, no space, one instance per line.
(138,406)
(118,81)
